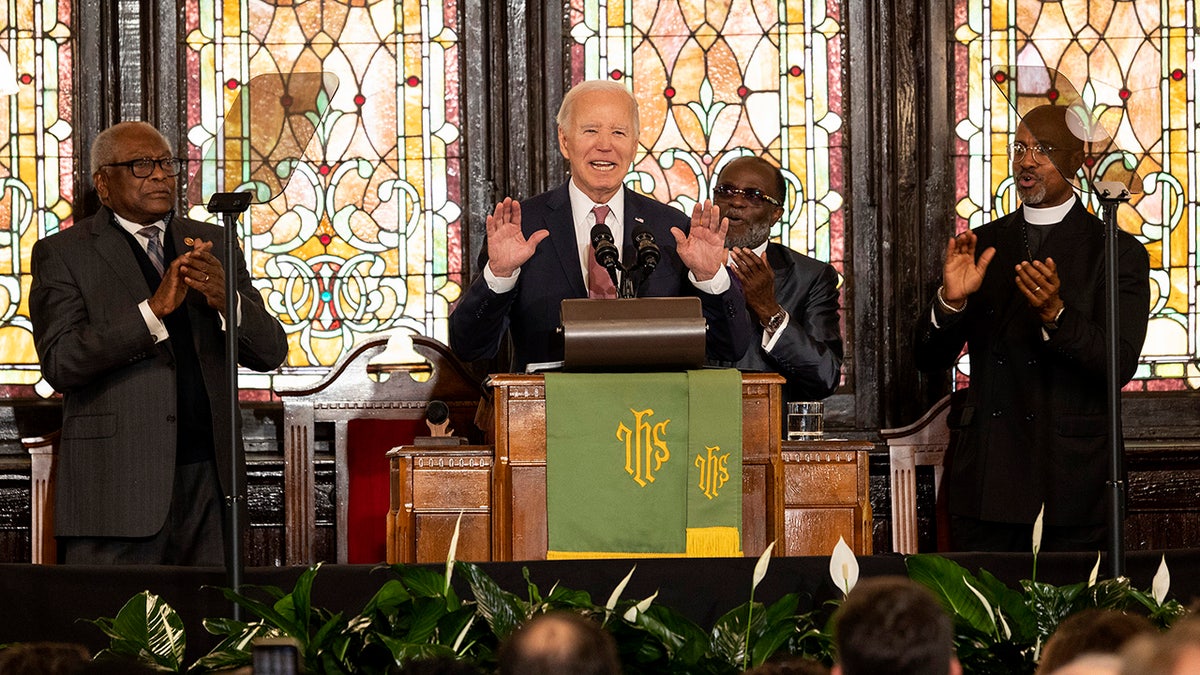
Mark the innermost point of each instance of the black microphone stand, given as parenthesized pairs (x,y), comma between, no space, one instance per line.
(229,205)
(1110,200)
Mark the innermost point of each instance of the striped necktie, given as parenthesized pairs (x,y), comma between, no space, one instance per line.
(153,246)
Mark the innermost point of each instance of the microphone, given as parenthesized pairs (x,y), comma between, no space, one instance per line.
(606,251)
(648,253)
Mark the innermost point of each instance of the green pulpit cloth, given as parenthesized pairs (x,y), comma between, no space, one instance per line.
(644,464)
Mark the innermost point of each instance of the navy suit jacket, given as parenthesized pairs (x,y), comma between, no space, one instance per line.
(809,350)
(116,462)
(1033,428)
(531,311)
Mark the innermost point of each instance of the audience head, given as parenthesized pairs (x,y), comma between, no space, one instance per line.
(1175,652)
(43,658)
(142,193)
(1102,631)
(750,192)
(789,665)
(893,625)
(597,133)
(1092,664)
(560,643)
(1044,151)
(438,665)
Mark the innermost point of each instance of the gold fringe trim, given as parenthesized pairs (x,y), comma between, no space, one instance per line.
(713,542)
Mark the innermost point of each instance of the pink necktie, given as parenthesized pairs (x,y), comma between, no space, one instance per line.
(600,284)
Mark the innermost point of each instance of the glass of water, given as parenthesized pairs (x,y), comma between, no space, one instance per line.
(805,420)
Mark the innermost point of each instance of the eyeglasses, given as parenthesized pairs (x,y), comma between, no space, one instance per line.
(1040,152)
(144,167)
(753,195)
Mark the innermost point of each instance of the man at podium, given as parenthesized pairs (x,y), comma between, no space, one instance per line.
(792,298)
(540,252)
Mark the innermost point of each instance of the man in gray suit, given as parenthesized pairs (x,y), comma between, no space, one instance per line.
(128,312)
(792,298)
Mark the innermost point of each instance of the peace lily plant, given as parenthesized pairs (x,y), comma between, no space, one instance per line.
(417,613)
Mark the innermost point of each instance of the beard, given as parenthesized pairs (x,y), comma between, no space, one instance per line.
(748,236)
(1034,195)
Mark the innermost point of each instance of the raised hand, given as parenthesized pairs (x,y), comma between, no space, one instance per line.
(962,275)
(702,249)
(508,248)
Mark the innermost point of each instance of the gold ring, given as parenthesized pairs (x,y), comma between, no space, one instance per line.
(1034,290)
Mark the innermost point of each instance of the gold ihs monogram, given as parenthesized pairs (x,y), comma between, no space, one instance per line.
(645,448)
(714,471)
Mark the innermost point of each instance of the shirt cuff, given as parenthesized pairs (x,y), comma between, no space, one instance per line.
(239,314)
(500,285)
(714,286)
(767,345)
(158,330)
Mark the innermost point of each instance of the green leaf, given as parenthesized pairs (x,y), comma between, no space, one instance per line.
(503,611)
(422,582)
(946,579)
(147,629)
(388,598)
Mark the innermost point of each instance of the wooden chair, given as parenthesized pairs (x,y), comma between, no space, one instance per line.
(43,455)
(922,443)
(353,390)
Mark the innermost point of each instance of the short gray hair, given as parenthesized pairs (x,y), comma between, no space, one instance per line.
(567,109)
(104,146)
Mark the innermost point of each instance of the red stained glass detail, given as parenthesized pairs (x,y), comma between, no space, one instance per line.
(324,169)
(795,71)
(286,101)
(359,99)
(1124,94)
(669,92)
(616,74)
(325,239)
(1052,94)
(743,91)
(26,78)
(1089,161)
(231,84)
(1000,77)
(1177,74)
(412,81)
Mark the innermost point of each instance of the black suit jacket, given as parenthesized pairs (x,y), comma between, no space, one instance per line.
(808,352)
(117,457)
(531,311)
(1033,428)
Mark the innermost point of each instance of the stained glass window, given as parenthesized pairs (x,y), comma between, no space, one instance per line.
(37,158)
(718,79)
(1133,63)
(366,236)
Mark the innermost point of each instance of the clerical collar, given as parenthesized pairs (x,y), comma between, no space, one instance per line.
(1050,215)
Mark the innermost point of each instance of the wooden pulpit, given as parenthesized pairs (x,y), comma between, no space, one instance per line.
(520,485)
(802,495)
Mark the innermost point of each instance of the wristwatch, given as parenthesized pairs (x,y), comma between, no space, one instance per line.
(1052,324)
(775,321)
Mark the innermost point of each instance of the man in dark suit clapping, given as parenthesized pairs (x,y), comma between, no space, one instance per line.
(792,298)
(128,312)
